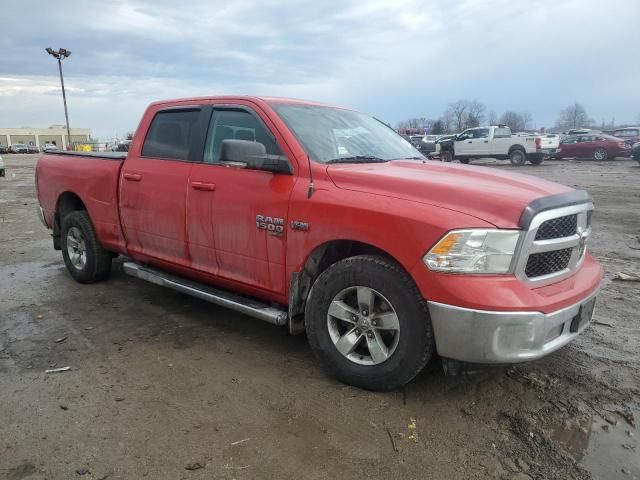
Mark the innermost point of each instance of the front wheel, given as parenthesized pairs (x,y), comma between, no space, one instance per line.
(517,157)
(446,156)
(367,323)
(83,255)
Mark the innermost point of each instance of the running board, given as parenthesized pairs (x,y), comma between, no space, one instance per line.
(229,300)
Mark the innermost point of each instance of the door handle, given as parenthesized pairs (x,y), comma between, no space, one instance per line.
(486,141)
(469,141)
(134,177)
(206,187)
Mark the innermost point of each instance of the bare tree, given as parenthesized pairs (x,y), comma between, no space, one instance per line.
(527,120)
(492,118)
(457,114)
(475,114)
(513,120)
(129,136)
(574,116)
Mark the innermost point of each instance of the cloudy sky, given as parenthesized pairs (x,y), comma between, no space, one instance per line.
(394,59)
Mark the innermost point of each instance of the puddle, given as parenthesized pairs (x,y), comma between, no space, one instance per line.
(602,448)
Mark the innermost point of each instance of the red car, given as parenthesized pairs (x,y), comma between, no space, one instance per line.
(596,145)
(326,221)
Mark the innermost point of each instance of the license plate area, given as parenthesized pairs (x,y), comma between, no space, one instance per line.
(584,315)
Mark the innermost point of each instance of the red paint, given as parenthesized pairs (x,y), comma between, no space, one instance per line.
(199,220)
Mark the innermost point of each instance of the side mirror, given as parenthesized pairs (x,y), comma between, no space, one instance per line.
(253,155)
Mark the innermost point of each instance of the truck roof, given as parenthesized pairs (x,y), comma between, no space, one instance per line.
(251,98)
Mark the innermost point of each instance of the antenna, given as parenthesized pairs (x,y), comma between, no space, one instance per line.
(311,186)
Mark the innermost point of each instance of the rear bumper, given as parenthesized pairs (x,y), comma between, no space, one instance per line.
(548,151)
(481,336)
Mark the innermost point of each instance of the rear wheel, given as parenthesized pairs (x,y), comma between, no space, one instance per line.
(83,255)
(600,154)
(446,156)
(517,157)
(367,323)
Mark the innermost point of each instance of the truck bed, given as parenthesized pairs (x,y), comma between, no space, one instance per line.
(94,177)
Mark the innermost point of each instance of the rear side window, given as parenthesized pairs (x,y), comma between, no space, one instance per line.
(501,132)
(238,125)
(170,134)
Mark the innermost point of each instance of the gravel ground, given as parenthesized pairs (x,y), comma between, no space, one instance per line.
(164,386)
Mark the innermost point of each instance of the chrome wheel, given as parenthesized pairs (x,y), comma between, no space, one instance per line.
(76,248)
(600,154)
(363,325)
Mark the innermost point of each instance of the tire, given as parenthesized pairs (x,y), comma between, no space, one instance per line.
(83,255)
(465,161)
(517,157)
(446,156)
(600,154)
(535,159)
(2,174)
(409,348)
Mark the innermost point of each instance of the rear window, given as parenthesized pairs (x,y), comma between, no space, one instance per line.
(170,134)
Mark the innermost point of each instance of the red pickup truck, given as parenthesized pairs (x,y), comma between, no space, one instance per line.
(324,220)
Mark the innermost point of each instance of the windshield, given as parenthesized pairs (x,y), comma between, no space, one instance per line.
(332,135)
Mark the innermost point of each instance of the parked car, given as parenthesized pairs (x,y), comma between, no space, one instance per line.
(321,220)
(596,146)
(428,146)
(495,141)
(49,147)
(635,152)
(3,149)
(123,146)
(18,148)
(2,171)
(630,135)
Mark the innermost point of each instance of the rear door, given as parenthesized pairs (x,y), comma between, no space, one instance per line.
(153,187)
(569,147)
(237,216)
(501,141)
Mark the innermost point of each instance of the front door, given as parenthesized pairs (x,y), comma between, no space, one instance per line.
(239,213)
(153,188)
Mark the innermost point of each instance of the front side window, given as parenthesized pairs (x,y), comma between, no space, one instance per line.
(236,125)
(169,135)
(332,135)
(481,133)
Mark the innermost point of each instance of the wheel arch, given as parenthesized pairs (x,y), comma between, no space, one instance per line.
(321,258)
(516,146)
(67,202)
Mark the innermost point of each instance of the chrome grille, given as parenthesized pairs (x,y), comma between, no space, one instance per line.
(558,227)
(546,263)
(554,246)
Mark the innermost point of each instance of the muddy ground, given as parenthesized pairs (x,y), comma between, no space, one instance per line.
(165,386)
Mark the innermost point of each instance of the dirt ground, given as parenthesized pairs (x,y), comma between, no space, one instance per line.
(164,386)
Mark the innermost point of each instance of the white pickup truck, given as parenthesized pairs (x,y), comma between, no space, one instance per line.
(495,141)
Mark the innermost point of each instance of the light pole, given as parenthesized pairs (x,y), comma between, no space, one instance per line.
(60,55)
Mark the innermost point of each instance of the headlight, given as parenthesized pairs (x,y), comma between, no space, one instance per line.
(474,251)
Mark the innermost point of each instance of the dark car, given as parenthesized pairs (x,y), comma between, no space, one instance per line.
(3,149)
(635,152)
(630,135)
(446,147)
(596,146)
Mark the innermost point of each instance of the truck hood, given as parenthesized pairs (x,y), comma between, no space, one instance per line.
(485,193)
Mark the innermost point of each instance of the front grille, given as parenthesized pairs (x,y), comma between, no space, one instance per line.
(546,263)
(558,228)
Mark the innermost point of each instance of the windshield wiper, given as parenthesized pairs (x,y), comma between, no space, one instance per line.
(357,159)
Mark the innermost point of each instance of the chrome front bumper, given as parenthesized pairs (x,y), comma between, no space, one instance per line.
(479,336)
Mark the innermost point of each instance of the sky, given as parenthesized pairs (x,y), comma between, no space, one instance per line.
(394,59)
